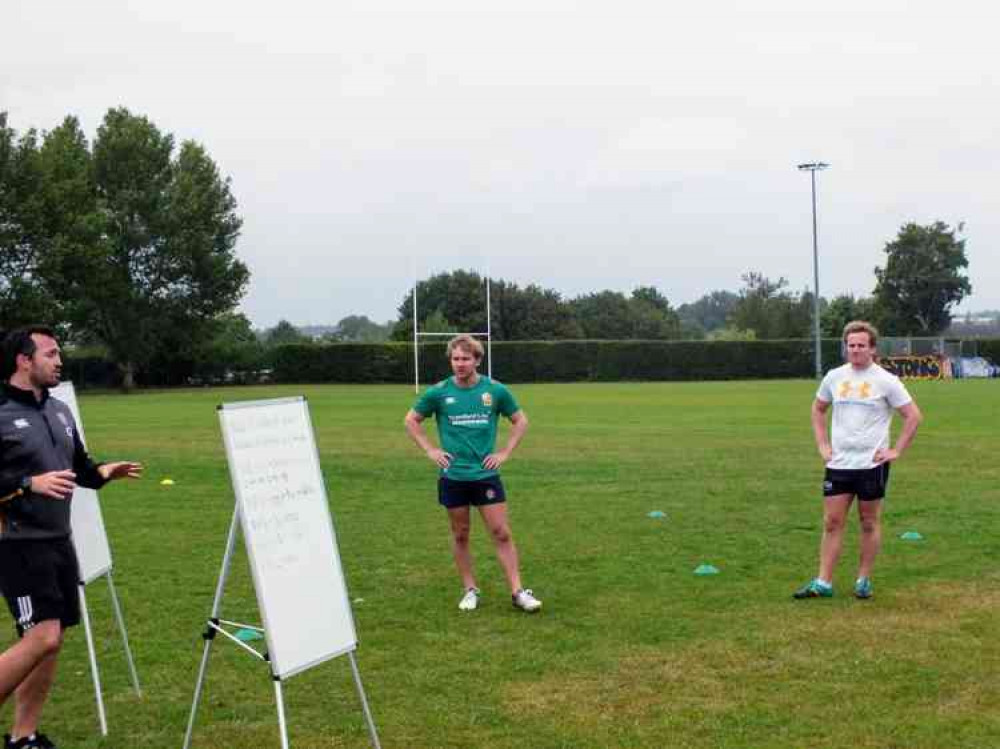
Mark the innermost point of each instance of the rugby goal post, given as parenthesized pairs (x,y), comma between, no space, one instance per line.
(417,335)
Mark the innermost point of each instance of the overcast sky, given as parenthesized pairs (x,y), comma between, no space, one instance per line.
(581,146)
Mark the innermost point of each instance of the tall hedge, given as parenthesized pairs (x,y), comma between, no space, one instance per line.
(559,361)
(531,361)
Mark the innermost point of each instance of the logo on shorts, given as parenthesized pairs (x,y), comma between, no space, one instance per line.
(22,423)
(487,399)
(491,494)
(827,486)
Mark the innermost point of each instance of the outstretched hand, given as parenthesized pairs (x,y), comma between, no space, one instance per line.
(121,470)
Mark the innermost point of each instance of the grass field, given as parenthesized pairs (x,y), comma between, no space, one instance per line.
(631,649)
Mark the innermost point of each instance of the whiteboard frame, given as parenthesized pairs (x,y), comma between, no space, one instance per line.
(89,534)
(273,646)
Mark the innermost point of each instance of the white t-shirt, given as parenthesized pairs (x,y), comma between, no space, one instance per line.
(863,401)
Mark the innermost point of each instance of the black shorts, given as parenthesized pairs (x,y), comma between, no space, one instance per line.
(865,484)
(453,493)
(40,580)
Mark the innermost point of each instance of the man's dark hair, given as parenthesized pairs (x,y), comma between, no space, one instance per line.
(19,342)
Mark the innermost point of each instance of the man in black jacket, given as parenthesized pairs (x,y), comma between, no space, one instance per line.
(42,460)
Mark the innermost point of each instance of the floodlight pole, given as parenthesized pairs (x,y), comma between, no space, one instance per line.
(812,168)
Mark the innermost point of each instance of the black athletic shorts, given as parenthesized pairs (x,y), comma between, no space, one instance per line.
(865,484)
(453,493)
(40,580)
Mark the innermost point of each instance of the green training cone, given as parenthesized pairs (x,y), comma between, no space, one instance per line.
(912,536)
(246,635)
(706,569)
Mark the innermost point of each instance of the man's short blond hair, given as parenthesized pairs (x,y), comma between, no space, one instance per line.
(860,326)
(466,343)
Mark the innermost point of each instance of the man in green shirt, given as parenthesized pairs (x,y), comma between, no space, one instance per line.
(468,407)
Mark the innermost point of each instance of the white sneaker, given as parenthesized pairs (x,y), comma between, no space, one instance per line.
(526,601)
(470,600)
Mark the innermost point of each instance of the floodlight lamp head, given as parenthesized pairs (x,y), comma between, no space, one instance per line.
(814,166)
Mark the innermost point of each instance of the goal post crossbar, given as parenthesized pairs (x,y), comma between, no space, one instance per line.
(488,335)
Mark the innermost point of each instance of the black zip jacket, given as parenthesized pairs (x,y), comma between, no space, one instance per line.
(37,437)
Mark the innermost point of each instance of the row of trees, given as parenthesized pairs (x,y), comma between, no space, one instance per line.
(922,279)
(127,242)
(452,302)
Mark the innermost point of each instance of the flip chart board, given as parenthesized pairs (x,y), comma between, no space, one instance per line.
(282,503)
(89,536)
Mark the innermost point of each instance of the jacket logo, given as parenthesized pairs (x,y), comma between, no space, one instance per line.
(487,399)
(21,423)
(449,401)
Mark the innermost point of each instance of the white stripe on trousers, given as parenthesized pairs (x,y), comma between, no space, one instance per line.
(27,610)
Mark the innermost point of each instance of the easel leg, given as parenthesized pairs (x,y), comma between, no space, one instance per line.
(282,724)
(364,702)
(121,628)
(93,661)
(209,633)
(197,692)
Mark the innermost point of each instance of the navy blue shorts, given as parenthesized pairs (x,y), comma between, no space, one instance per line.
(453,493)
(40,580)
(866,484)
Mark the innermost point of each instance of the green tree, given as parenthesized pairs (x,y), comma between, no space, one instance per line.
(233,348)
(358,328)
(652,316)
(436,322)
(145,260)
(708,313)
(284,333)
(530,314)
(771,312)
(22,218)
(604,315)
(843,309)
(459,296)
(923,277)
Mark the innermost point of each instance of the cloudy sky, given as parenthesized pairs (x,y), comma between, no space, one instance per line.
(579,145)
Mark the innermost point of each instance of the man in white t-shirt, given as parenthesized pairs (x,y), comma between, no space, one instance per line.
(864,397)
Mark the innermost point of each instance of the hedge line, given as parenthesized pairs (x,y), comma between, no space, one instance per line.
(528,361)
(559,361)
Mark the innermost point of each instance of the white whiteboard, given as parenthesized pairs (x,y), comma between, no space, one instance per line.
(282,503)
(89,536)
